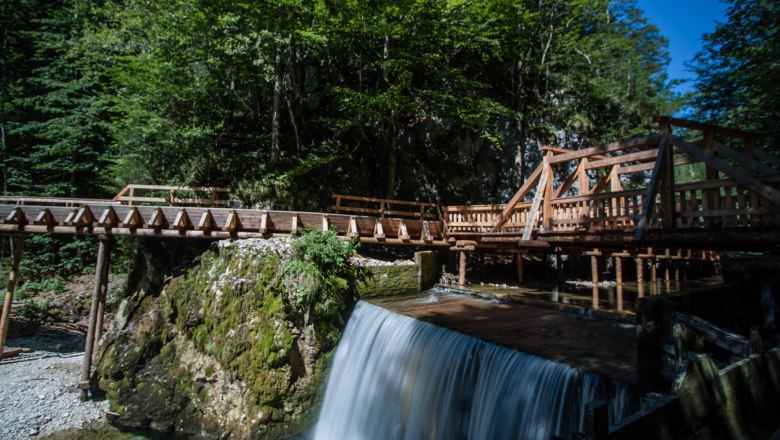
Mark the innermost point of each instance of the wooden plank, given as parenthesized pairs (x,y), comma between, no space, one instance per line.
(638,142)
(207,222)
(761,188)
(403,234)
(108,218)
(729,341)
(353,230)
(751,163)
(524,189)
(45,217)
(652,190)
(683,123)
(232,222)
(132,219)
(547,211)
(157,220)
(531,222)
(379,231)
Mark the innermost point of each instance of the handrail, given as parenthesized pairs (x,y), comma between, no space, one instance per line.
(384,207)
(128,194)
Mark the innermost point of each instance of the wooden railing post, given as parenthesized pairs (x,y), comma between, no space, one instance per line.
(89,344)
(667,180)
(547,211)
(13,276)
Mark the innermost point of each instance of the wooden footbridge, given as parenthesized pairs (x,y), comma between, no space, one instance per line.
(708,188)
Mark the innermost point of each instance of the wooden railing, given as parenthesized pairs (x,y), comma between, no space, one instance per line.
(384,207)
(54,201)
(172,195)
(739,189)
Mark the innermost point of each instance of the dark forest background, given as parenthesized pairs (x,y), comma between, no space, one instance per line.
(287,102)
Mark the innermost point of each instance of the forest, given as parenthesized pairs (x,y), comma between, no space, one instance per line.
(287,102)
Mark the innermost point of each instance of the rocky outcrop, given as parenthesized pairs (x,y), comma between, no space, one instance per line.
(224,351)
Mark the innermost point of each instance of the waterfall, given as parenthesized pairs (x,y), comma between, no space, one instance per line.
(395,377)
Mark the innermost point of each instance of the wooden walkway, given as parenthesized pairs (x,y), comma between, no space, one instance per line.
(625,195)
(663,197)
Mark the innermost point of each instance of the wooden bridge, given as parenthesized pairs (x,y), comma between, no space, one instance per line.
(680,192)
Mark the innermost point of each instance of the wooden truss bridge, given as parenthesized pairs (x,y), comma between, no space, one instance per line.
(685,193)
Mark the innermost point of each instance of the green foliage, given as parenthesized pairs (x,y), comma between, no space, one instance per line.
(31,308)
(319,277)
(737,71)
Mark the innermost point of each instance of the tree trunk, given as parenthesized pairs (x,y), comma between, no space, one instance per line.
(392,162)
(278,78)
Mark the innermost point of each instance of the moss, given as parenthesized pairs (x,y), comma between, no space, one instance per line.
(234,308)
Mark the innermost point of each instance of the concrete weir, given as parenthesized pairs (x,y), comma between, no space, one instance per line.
(694,358)
(602,346)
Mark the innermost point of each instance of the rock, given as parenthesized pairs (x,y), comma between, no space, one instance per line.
(33,432)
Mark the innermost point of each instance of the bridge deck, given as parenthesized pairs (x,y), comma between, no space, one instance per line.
(624,195)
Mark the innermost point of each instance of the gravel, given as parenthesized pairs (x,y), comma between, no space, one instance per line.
(38,394)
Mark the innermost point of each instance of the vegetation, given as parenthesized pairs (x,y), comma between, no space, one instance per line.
(233,316)
(737,71)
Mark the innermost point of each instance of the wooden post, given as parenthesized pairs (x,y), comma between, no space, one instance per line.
(5,318)
(594,269)
(462,269)
(596,420)
(619,281)
(519,263)
(582,177)
(547,211)
(89,345)
(667,181)
(103,294)
(131,194)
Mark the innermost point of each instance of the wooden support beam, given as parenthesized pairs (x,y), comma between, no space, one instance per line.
(264,223)
(729,341)
(601,184)
(89,345)
(379,230)
(182,221)
(103,294)
(83,218)
(352,230)
(462,269)
(522,192)
(638,142)
(594,271)
(403,234)
(519,263)
(13,276)
(547,211)
(294,224)
(764,190)
(109,218)
(133,219)
(750,162)
(325,223)
(652,189)
(232,222)
(426,232)
(207,222)
(16,217)
(530,221)
(157,220)
(582,177)
(45,218)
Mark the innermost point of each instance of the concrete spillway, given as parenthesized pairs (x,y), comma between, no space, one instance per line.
(397,377)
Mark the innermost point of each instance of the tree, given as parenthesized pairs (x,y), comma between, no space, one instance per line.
(737,71)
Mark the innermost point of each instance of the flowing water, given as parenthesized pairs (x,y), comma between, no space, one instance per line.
(395,377)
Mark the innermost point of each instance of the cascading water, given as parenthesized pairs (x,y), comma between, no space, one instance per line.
(395,377)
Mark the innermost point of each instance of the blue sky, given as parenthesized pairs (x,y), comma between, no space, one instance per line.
(683,22)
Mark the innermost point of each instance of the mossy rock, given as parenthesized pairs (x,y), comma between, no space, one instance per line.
(227,323)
